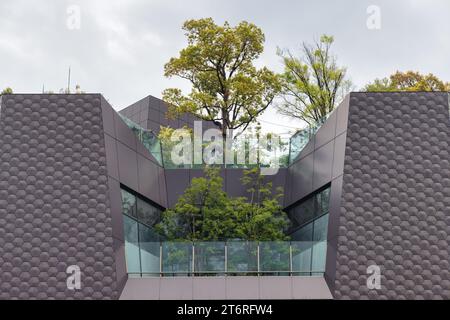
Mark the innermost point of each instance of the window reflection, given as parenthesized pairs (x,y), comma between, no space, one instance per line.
(310,217)
(128,203)
(131,245)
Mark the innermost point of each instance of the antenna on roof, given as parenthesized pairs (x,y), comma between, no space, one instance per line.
(68,82)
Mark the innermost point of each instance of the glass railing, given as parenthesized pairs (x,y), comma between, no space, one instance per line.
(243,153)
(247,153)
(301,138)
(231,258)
(147,138)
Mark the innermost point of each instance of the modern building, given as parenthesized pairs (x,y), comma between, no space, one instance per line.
(368,194)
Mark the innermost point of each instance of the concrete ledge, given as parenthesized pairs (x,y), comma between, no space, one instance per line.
(232,288)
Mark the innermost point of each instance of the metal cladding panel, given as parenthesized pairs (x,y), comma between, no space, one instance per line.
(136,108)
(148,179)
(395,204)
(151,113)
(179,179)
(54,202)
(327,131)
(320,162)
(225,288)
(323,165)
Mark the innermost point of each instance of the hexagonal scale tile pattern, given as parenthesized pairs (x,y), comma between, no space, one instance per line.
(395,210)
(54,206)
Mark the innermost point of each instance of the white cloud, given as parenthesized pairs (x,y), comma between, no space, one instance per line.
(123,45)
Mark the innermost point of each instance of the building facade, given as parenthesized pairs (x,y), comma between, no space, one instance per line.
(83,185)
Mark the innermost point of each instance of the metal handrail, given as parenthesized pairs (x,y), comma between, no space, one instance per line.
(190,259)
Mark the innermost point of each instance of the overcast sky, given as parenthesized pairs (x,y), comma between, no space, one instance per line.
(121,46)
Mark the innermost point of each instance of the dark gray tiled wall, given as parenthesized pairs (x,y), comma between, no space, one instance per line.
(395,204)
(54,200)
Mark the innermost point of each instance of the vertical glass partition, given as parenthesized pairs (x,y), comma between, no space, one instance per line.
(209,257)
(177,258)
(242,257)
(274,257)
(234,258)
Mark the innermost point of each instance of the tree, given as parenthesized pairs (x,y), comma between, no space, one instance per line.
(260,216)
(6,91)
(408,81)
(218,62)
(313,84)
(205,212)
(201,213)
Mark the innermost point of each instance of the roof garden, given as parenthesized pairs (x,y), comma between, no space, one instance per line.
(245,151)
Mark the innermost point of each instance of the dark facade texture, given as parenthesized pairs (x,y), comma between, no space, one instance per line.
(151,113)
(395,203)
(130,164)
(54,205)
(64,158)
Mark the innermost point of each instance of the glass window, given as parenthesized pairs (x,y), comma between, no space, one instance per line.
(305,233)
(304,212)
(147,213)
(128,203)
(321,228)
(324,201)
(131,245)
(310,209)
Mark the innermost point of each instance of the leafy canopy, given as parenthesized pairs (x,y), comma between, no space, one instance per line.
(6,91)
(205,212)
(313,84)
(408,81)
(218,62)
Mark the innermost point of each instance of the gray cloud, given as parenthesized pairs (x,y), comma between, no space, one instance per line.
(122,45)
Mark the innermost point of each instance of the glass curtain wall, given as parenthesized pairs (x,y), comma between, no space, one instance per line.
(309,232)
(142,249)
(147,255)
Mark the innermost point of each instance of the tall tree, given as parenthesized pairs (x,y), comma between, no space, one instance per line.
(408,81)
(260,216)
(313,84)
(226,86)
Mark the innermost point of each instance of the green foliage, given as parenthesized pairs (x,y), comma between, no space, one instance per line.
(205,212)
(259,216)
(218,62)
(201,213)
(408,81)
(312,84)
(6,91)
